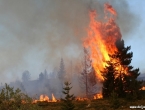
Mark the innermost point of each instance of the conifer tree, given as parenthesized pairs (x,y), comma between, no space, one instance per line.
(92,81)
(61,74)
(109,79)
(41,77)
(45,74)
(26,76)
(123,74)
(61,71)
(68,100)
(127,75)
(88,78)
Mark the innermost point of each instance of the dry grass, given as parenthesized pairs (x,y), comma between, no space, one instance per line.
(12,100)
(100,104)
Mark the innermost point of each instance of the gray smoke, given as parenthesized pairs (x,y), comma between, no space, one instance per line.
(36,34)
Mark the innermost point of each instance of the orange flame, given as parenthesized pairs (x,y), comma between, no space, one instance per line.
(98,96)
(143,88)
(101,39)
(53,98)
(109,8)
(45,98)
(81,99)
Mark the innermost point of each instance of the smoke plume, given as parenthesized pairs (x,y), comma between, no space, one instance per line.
(36,34)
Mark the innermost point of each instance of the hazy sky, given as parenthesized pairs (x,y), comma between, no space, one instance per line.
(137,38)
(35,34)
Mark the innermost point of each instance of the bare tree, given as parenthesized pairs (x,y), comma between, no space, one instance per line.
(88,78)
(61,74)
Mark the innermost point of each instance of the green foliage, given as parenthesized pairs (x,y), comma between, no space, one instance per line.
(68,100)
(119,75)
(109,80)
(11,99)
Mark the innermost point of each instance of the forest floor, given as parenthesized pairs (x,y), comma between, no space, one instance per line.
(99,104)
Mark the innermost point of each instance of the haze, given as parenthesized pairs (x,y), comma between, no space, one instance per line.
(36,34)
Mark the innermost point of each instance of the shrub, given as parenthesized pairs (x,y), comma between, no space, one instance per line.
(68,100)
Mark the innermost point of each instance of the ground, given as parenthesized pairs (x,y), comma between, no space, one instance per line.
(100,104)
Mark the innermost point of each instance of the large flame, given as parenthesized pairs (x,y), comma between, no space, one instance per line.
(53,98)
(98,96)
(143,88)
(101,38)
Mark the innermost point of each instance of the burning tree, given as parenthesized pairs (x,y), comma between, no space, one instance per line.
(109,79)
(43,76)
(119,75)
(104,42)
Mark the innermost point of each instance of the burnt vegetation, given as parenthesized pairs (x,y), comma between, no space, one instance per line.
(119,75)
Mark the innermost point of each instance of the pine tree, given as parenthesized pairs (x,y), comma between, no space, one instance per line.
(45,74)
(68,100)
(125,76)
(41,77)
(26,76)
(61,71)
(92,81)
(109,79)
(88,78)
(92,77)
(61,74)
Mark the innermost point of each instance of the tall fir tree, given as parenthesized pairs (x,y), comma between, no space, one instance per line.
(41,77)
(26,76)
(88,78)
(92,81)
(125,76)
(45,74)
(61,72)
(61,76)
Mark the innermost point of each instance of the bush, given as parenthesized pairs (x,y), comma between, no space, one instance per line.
(11,99)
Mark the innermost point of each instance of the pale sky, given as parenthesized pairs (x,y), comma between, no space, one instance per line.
(35,34)
(137,38)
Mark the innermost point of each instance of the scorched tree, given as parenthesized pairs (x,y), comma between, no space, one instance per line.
(119,75)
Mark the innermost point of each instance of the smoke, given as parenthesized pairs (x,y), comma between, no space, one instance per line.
(36,34)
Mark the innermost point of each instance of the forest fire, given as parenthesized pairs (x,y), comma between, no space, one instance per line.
(101,39)
(45,98)
(98,96)
(143,88)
